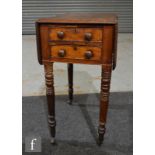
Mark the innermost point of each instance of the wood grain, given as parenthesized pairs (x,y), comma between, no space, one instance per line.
(71,46)
(49,79)
(75,52)
(70,82)
(75,34)
(81,18)
(104,99)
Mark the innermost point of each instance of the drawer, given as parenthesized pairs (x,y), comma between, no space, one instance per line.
(78,52)
(75,34)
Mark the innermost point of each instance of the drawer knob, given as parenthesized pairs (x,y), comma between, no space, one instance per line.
(88,36)
(60,34)
(61,53)
(88,54)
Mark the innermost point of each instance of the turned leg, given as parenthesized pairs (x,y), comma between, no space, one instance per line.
(104,101)
(70,82)
(50,98)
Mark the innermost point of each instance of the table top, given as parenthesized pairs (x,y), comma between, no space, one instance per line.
(81,18)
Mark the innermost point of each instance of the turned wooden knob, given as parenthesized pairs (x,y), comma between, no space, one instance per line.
(88,36)
(60,34)
(61,53)
(88,54)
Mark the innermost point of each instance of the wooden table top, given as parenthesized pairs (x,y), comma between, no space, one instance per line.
(81,18)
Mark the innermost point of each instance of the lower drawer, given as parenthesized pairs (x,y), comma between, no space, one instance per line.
(75,52)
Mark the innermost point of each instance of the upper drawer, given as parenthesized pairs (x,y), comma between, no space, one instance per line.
(75,34)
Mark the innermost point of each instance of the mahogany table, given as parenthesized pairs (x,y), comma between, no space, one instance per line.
(77,38)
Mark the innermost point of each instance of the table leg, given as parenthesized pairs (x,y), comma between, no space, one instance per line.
(70,82)
(104,101)
(50,98)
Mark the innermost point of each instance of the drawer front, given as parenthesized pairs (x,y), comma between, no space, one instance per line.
(78,53)
(75,34)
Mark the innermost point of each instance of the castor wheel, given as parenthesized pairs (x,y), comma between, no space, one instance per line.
(70,102)
(99,142)
(100,139)
(52,141)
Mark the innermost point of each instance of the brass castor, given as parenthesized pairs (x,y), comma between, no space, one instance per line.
(53,142)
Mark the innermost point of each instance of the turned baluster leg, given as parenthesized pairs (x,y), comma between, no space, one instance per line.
(104,101)
(50,98)
(70,82)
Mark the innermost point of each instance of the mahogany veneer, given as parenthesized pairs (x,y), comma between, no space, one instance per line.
(78,38)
